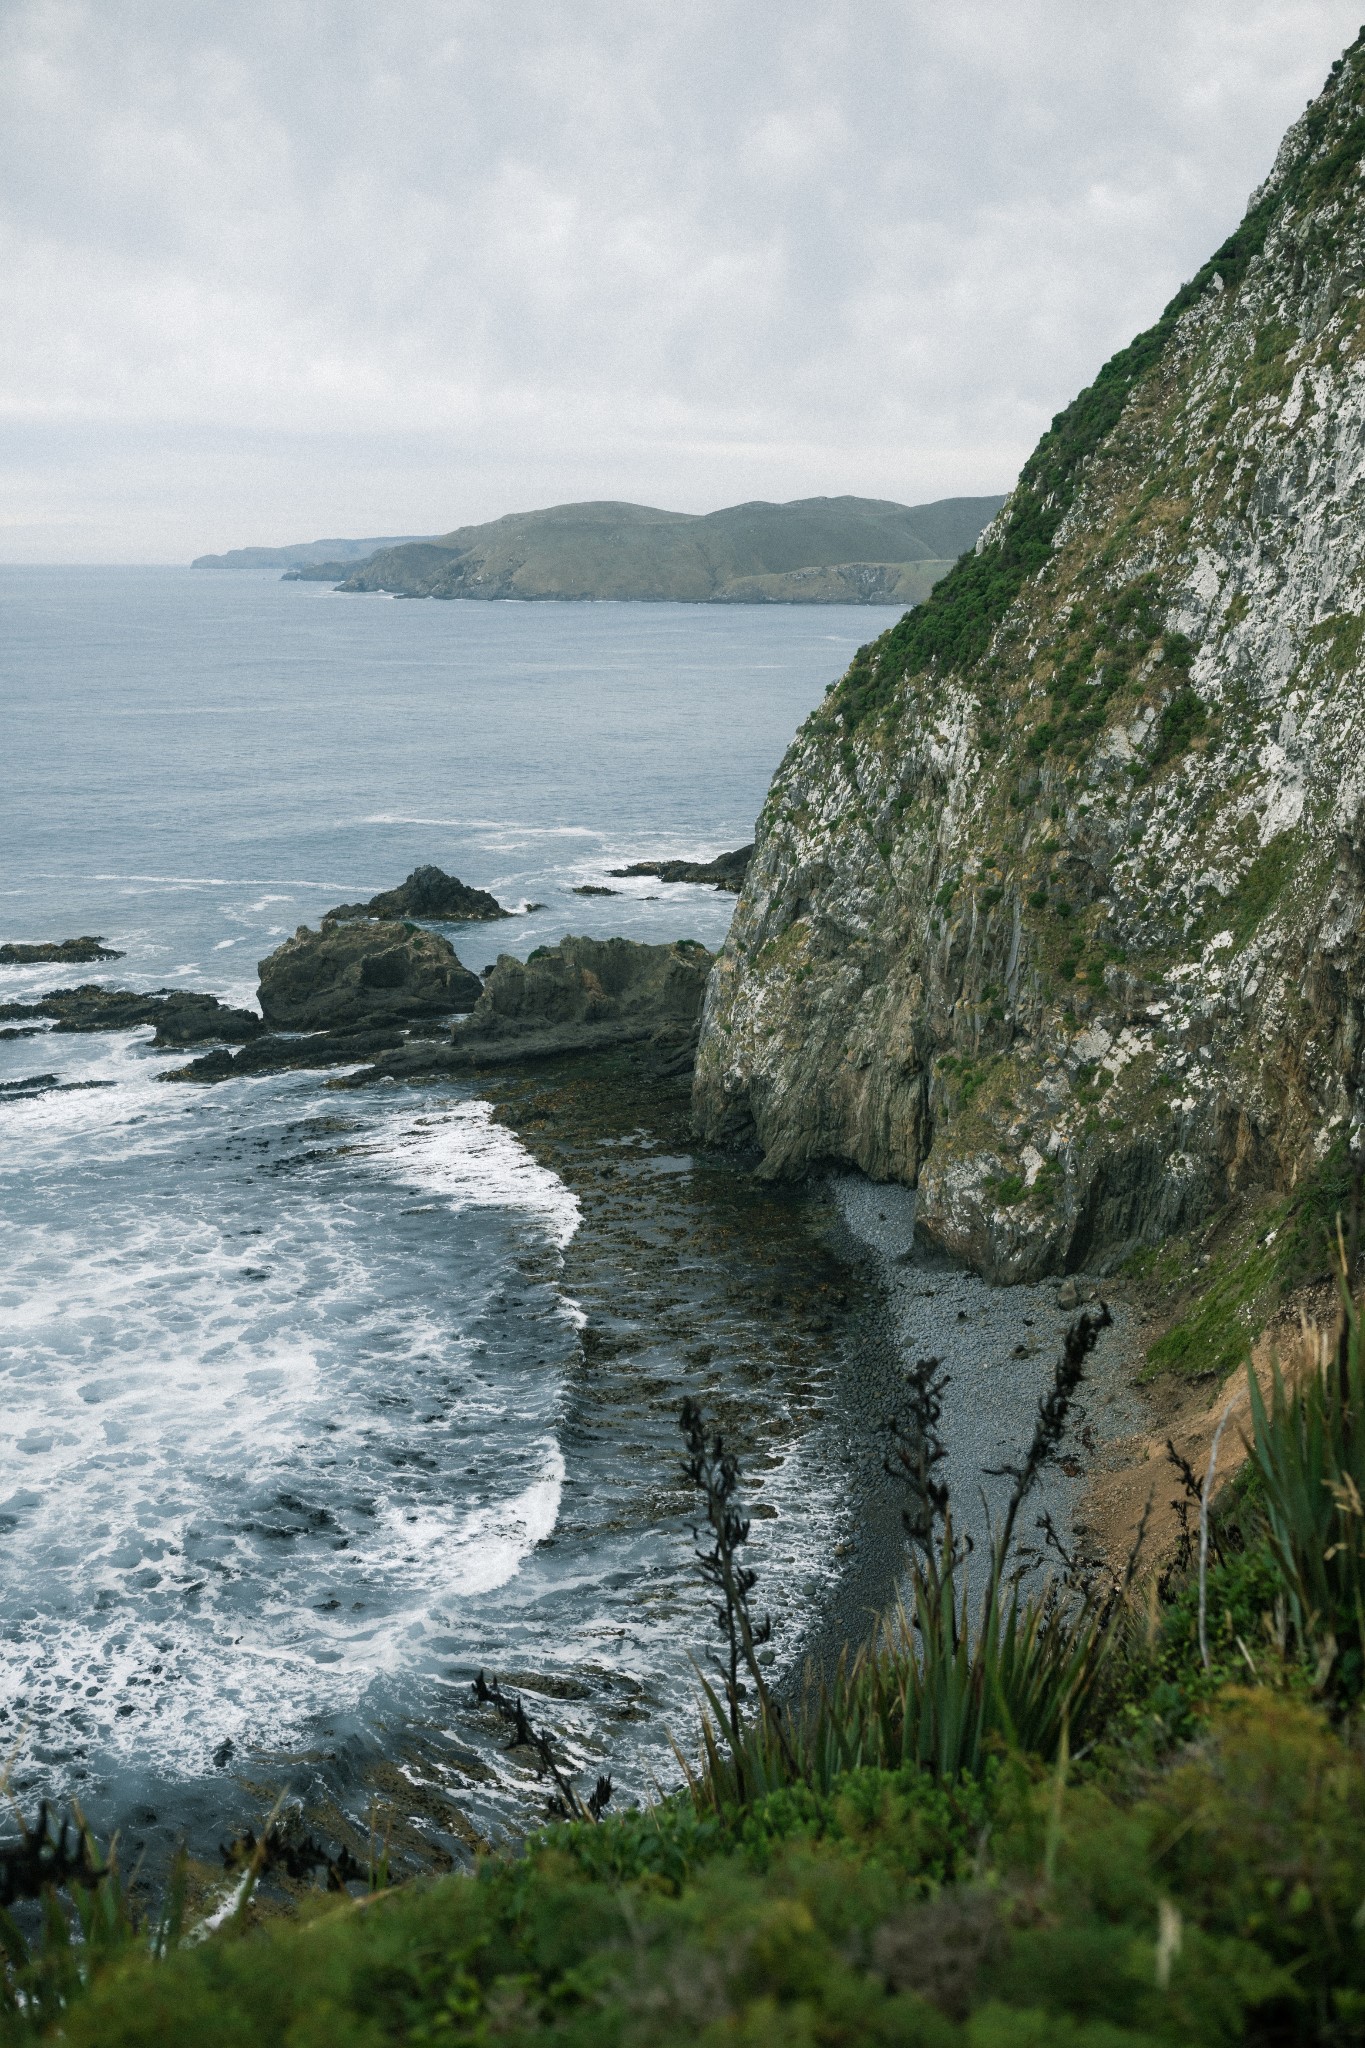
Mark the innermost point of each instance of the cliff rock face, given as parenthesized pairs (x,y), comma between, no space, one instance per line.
(1057,906)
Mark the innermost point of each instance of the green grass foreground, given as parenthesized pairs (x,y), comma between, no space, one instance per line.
(1066,1821)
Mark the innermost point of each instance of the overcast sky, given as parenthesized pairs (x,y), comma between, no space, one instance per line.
(276,269)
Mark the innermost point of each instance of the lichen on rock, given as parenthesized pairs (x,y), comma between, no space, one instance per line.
(1057,905)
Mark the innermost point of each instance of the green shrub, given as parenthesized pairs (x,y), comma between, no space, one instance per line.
(1183,720)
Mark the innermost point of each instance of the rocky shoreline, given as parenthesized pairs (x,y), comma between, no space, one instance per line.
(764,1306)
(726,871)
(786,1310)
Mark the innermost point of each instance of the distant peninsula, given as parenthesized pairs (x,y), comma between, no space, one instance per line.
(812,551)
(339,555)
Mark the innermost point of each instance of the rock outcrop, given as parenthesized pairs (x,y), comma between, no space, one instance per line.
(581,996)
(181,1016)
(726,871)
(1057,906)
(428,892)
(57,952)
(363,974)
(586,994)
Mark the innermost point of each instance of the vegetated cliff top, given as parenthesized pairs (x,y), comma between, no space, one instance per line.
(1057,906)
(815,550)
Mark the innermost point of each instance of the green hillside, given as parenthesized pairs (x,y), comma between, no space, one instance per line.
(815,550)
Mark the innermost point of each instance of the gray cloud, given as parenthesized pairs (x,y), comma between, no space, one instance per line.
(284,267)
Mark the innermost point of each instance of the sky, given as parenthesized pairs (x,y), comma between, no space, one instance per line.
(283,269)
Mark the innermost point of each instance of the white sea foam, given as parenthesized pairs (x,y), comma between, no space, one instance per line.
(522,831)
(256,1452)
(486,1548)
(225,881)
(474,1163)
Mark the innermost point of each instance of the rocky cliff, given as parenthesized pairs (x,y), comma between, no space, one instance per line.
(1057,907)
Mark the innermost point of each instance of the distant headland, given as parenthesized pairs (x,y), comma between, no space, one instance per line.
(812,551)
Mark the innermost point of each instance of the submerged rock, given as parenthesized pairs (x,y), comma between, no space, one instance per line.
(273,1053)
(57,952)
(726,871)
(363,974)
(181,1016)
(1057,904)
(428,892)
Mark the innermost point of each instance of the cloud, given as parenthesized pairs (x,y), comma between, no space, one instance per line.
(281,269)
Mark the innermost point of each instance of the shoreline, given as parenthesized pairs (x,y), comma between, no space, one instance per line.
(907,1300)
(999,1346)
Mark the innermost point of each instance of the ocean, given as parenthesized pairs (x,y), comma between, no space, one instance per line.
(296,1426)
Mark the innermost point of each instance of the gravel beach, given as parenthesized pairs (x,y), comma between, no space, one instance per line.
(999,1346)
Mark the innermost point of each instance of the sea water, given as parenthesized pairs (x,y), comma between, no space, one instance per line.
(284,1439)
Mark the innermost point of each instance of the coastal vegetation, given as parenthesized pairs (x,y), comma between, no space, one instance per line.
(1119,1808)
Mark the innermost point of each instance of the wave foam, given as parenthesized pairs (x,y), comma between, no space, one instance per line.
(474,1163)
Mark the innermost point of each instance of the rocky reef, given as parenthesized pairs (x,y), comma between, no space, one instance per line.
(428,892)
(273,1052)
(57,952)
(588,992)
(181,1016)
(1057,905)
(726,871)
(363,974)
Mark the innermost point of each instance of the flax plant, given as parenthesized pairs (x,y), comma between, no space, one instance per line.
(947,1681)
(87,1916)
(1308,1453)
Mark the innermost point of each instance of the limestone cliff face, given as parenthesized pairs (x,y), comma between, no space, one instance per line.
(1057,906)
